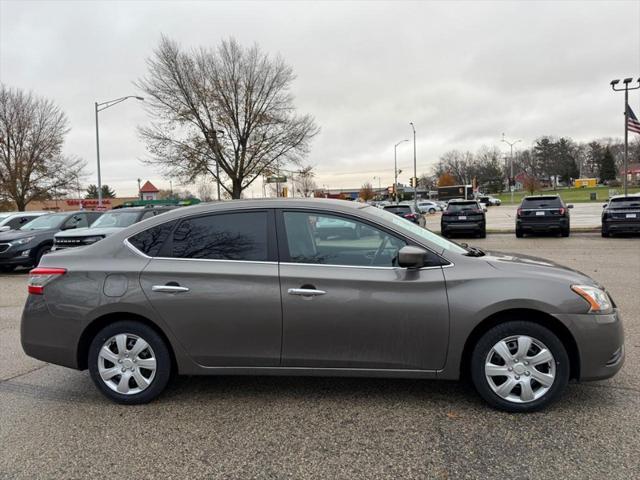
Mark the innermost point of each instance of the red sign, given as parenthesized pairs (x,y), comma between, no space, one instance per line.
(87,202)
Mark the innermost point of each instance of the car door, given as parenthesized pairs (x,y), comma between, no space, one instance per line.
(215,284)
(347,305)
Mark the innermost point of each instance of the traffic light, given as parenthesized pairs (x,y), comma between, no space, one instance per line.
(413,182)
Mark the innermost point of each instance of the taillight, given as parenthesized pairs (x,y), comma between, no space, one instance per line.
(519,212)
(561,211)
(39,277)
(410,215)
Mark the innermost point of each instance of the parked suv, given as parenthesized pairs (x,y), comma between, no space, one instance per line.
(404,210)
(14,220)
(543,214)
(463,216)
(109,223)
(621,214)
(248,287)
(25,246)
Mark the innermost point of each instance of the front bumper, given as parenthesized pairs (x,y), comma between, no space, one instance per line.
(15,258)
(600,342)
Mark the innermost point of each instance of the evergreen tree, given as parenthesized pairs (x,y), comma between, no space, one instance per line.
(607,167)
(107,192)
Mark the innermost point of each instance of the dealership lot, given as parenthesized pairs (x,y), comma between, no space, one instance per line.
(54,423)
(584,216)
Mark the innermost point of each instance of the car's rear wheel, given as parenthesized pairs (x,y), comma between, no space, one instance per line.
(519,366)
(605,231)
(129,362)
(565,232)
(6,268)
(519,233)
(445,233)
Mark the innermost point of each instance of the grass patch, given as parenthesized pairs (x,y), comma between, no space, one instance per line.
(572,195)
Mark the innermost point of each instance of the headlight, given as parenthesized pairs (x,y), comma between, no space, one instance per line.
(22,241)
(597,298)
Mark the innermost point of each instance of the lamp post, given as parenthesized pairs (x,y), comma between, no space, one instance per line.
(511,144)
(100,107)
(415,169)
(395,168)
(626,89)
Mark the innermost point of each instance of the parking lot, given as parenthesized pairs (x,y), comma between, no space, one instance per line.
(55,424)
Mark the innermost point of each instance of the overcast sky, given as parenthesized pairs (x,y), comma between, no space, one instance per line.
(463,72)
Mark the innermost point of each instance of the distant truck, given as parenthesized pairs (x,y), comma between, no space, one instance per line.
(455,191)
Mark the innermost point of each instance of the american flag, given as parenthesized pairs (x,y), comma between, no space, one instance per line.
(633,124)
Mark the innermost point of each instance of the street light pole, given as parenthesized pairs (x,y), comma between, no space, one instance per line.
(626,89)
(511,144)
(415,168)
(395,168)
(98,108)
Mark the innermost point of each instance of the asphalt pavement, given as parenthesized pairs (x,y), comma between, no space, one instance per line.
(54,423)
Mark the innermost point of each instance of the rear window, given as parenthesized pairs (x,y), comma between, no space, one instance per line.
(541,202)
(462,206)
(398,208)
(151,240)
(625,202)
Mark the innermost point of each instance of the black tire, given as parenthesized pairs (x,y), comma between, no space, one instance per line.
(43,250)
(515,328)
(565,232)
(605,231)
(432,211)
(519,233)
(444,233)
(7,268)
(157,344)
(483,232)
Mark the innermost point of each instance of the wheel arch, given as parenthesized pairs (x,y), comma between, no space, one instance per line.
(100,322)
(535,316)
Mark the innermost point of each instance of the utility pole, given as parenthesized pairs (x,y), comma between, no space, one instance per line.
(98,108)
(415,169)
(139,192)
(395,168)
(626,89)
(511,180)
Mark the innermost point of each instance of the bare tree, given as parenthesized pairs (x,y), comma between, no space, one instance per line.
(226,112)
(205,189)
(304,183)
(32,131)
(366,192)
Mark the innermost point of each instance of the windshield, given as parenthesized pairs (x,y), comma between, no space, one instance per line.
(116,220)
(625,202)
(406,225)
(541,202)
(46,222)
(462,206)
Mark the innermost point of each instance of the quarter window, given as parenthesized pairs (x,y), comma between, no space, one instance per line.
(235,236)
(334,240)
(151,240)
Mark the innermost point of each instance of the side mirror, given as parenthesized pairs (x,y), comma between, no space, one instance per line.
(411,257)
(570,206)
(604,205)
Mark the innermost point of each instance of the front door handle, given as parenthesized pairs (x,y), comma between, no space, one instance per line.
(306,292)
(169,288)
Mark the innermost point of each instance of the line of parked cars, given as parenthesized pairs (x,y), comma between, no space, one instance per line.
(26,236)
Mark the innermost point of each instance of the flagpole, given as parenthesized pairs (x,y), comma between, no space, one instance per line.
(626,89)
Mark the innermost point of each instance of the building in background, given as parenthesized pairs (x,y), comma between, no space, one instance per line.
(149,191)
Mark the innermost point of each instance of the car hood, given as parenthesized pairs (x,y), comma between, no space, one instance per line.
(88,232)
(536,266)
(12,235)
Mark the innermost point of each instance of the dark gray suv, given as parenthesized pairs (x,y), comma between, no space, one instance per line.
(255,287)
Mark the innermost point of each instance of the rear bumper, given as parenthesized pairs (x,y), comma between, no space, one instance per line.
(600,341)
(623,226)
(542,226)
(462,226)
(48,338)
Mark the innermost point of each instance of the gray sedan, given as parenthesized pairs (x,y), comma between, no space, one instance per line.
(255,287)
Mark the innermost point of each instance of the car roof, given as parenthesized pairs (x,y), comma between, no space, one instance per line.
(630,195)
(456,200)
(541,197)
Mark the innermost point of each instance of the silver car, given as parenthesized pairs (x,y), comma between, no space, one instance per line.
(255,287)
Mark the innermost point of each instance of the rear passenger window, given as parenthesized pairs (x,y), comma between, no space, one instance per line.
(233,236)
(151,240)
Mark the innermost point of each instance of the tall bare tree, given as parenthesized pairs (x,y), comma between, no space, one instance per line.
(32,131)
(305,185)
(227,112)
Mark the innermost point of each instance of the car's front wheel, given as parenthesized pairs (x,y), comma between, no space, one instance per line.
(129,362)
(519,366)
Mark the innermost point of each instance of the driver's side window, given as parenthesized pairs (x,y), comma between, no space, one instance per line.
(335,240)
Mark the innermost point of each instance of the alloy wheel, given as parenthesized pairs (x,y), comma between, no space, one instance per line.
(520,369)
(127,364)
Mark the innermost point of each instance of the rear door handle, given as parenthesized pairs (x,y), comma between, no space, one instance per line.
(306,292)
(169,288)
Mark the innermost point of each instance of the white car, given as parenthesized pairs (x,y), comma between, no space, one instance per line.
(428,207)
(14,220)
